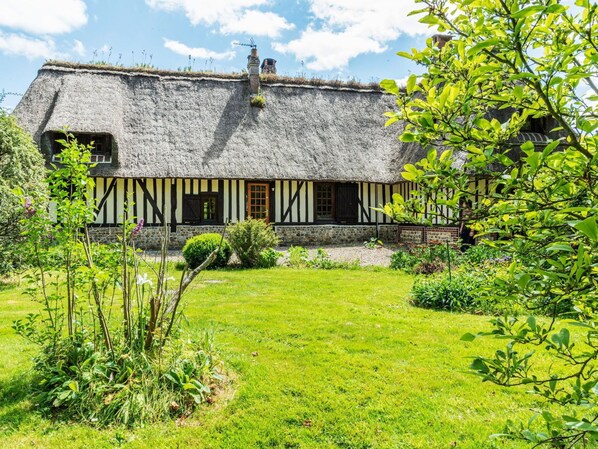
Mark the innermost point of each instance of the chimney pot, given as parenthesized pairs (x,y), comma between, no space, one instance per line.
(269,66)
(440,40)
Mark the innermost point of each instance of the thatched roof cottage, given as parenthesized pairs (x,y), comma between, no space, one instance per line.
(190,150)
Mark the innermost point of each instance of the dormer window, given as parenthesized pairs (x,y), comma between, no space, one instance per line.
(535,125)
(101,146)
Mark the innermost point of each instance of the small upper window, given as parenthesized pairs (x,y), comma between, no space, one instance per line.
(535,125)
(101,146)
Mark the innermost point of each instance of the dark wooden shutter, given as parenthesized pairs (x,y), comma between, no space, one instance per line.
(346,203)
(191,209)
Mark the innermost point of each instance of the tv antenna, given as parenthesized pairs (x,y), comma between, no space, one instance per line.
(4,94)
(251,43)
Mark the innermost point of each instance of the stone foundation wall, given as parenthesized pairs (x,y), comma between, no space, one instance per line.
(304,235)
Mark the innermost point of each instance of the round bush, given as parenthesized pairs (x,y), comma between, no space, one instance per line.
(249,238)
(198,248)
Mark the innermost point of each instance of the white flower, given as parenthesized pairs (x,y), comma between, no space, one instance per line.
(142,280)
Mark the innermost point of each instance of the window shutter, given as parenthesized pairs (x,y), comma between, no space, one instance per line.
(346,203)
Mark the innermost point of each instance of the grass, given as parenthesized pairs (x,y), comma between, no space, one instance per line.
(320,359)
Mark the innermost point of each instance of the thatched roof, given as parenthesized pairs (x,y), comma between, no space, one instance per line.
(172,124)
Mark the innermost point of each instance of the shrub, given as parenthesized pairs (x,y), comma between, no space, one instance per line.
(478,254)
(249,238)
(269,258)
(442,292)
(198,248)
(464,291)
(298,257)
(322,261)
(403,260)
(72,377)
(23,190)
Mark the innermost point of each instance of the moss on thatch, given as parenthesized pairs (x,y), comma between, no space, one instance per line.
(264,78)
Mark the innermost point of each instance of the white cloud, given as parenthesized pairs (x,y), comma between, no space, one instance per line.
(327,50)
(79,48)
(257,23)
(232,16)
(344,29)
(198,52)
(14,44)
(43,16)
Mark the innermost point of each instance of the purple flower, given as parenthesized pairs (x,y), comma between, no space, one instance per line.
(29,209)
(137,229)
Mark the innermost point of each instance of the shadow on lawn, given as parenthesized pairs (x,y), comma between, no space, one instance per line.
(15,407)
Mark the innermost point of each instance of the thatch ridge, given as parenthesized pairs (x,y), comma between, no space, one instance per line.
(267,79)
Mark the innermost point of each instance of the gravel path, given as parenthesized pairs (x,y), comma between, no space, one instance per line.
(366,256)
(375,256)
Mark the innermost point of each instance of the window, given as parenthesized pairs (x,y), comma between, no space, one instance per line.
(101,144)
(535,125)
(200,209)
(258,200)
(324,203)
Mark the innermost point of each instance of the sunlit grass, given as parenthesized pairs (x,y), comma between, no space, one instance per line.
(321,359)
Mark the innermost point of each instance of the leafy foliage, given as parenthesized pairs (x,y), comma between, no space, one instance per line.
(94,367)
(440,292)
(269,258)
(87,385)
(197,249)
(513,64)
(462,291)
(22,175)
(425,259)
(258,101)
(299,258)
(249,238)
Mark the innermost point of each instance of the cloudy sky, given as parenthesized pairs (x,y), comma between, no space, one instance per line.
(324,38)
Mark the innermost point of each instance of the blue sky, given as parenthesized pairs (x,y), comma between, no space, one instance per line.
(324,38)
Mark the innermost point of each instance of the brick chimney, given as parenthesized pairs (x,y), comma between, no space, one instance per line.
(253,68)
(440,40)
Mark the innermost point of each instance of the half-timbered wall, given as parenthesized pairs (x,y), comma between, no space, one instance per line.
(292,202)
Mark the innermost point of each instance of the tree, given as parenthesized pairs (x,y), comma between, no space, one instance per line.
(512,63)
(22,174)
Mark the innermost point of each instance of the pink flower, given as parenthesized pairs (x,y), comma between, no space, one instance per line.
(137,229)
(29,209)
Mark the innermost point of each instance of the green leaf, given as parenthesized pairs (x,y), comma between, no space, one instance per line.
(589,228)
(482,45)
(407,137)
(468,337)
(526,12)
(390,86)
(411,82)
(560,247)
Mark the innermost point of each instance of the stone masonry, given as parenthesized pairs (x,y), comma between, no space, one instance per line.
(305,235)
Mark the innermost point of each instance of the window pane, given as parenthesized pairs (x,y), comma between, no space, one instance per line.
(209,209)
(324,201)
(258,204)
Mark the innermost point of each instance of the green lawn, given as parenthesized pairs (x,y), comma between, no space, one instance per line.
(343,361)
